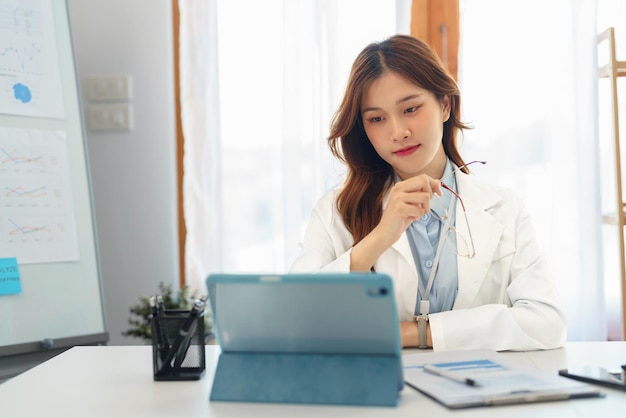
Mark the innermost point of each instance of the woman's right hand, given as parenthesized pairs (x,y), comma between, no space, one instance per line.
(408,200)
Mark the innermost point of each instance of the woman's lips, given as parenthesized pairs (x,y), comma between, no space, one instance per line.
(403,152)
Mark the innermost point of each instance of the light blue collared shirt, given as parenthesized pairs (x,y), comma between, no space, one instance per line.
(423,235)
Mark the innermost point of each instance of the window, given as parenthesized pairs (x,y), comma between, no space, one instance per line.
(256,142)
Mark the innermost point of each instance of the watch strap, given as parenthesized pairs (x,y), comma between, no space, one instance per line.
(421,330)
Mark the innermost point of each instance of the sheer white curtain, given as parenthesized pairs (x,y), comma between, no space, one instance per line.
(259,83)
(199,91)
(528,75)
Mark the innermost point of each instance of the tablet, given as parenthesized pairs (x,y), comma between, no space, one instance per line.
(306,338)
(597,376)
(331,313)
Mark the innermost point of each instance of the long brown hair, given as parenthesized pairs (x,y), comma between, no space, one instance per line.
(368,175)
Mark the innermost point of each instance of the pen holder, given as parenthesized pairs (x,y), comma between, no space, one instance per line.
(178,347)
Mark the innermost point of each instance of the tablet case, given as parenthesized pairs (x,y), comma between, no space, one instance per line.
(306,338)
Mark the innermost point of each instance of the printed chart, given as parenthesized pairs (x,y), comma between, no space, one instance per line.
(36,206)
(30,83)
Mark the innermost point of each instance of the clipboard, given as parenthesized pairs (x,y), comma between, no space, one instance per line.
(306,338)
(499,380)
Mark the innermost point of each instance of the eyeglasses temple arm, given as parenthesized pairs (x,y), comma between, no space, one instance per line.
(448,188)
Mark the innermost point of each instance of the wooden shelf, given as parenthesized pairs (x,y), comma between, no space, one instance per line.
(613,70)
(611,218)
(606,70)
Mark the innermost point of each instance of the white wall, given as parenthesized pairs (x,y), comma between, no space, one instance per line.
(133,173)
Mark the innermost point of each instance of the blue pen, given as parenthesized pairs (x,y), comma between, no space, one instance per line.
(438,371)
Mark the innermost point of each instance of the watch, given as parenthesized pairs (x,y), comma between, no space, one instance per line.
(421,330)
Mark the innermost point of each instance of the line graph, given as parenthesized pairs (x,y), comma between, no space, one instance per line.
(24,232)
(30,153)
(36,205)
(19,191)
(17,157)
(21,230)
(30,197)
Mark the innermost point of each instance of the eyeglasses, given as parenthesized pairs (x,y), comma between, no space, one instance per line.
(462,246)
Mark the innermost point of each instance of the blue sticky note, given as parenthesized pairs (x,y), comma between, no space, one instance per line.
(9,277)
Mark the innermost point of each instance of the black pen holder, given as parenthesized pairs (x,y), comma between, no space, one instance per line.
(185,351)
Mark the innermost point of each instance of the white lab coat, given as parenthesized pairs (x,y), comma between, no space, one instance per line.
(506,297)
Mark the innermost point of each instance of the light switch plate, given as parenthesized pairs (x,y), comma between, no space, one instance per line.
(109,88)
(111,117)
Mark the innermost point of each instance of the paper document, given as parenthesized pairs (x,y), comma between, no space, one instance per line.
(496,380)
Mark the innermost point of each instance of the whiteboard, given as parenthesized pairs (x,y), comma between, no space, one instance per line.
(47,221)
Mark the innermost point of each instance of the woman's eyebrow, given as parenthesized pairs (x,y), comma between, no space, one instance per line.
(410,97)
(370,109)
(400,101)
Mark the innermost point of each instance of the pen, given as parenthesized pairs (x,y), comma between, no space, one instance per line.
(438,371)
(196,311)
(161,328)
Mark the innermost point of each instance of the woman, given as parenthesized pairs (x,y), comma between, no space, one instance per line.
(467,270)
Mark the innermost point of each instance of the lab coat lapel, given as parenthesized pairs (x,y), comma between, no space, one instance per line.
(402,245)
(400,265)
(486,232)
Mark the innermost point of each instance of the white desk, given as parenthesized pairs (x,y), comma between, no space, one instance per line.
(117,382)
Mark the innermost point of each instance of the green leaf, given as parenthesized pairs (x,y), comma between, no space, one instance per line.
(183,298)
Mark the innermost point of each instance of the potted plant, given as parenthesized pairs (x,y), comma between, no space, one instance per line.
(183,298)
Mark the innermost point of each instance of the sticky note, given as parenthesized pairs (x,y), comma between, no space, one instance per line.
(9,277)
